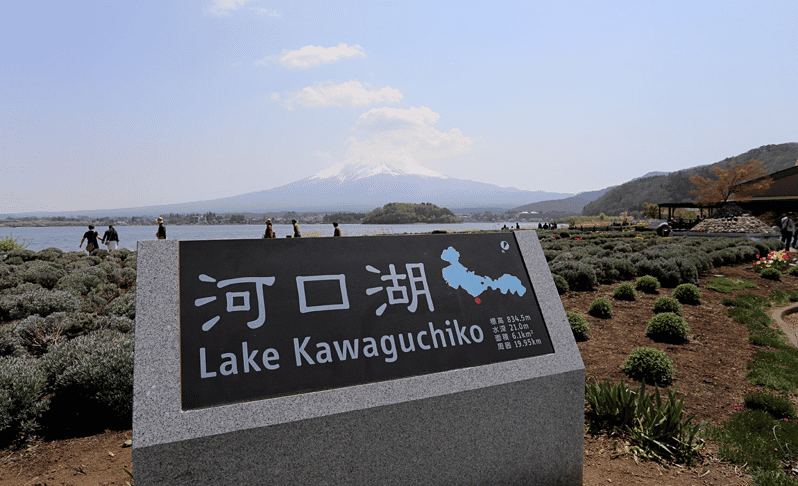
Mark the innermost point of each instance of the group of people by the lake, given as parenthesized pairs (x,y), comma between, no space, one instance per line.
(110,238)
(789,235)
(269,233)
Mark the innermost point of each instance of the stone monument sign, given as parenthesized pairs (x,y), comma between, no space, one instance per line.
(421,359)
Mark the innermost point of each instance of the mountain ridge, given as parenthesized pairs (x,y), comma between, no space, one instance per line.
(675,187)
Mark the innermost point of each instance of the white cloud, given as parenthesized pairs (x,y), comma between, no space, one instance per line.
(381,119)
(348,94)
(274,96)
(267,11)
(406,135)
(224,7)
(310,56)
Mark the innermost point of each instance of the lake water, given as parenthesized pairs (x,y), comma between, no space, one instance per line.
(67,238)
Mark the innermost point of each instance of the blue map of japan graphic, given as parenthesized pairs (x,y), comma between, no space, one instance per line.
(458,276)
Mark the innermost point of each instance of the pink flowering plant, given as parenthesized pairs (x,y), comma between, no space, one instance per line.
(779,260)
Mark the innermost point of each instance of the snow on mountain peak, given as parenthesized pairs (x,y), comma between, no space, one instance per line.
(353,171)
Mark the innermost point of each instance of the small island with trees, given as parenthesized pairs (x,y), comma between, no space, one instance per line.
(406,213)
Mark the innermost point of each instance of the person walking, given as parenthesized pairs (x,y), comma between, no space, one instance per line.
(269,233)
(337,230)
(111,238)
(90,237)
(161,233)
(297,234)
(787,230)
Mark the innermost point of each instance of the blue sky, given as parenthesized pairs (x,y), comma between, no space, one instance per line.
(116,103)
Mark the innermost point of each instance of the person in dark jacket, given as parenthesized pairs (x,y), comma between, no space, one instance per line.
(297,234)
(111,238)
(269,233)
(161,233)
(337,231)
(90,237)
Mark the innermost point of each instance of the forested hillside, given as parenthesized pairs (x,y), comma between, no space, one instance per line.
(676,186)
(405,213)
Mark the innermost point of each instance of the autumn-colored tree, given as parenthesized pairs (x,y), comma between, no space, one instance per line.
(730,183)
(651,210)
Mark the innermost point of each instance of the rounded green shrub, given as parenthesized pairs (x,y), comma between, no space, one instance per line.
(9,341)
(647,283)
(117,323)
(22,254)
(625,291)
(130,261)
(622,248)
(687,294)
(793,271)
(81,282)
(770,274)
(624,268)
(22,388)
(42,273)
(666,304)
(99,253)
(122,253)
(600,308)
(561,284)
(563,256)
(667,327)
(579,325)
(48,254)
(123,306)
(92,377)
(776,405)
(108,267)
(126,277)
(23,288)
(36,334)
(579,275)
(649,364)
(73,324)
(41,302)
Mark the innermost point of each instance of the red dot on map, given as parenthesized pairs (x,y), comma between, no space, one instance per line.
(477,300)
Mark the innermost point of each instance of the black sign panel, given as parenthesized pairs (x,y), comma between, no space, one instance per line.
(269,318)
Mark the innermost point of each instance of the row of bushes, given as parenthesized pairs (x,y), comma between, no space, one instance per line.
(584,264)
(66,347)
(87,381)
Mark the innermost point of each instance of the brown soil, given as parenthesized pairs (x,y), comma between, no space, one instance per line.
(711,375)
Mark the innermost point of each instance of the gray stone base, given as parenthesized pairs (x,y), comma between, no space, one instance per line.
(507,434)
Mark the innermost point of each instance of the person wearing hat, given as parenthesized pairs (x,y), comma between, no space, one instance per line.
(269,231)
(337,231)
(161,234)
(297,234)
(90,237)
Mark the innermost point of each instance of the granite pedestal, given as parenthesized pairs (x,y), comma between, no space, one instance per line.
(512,422)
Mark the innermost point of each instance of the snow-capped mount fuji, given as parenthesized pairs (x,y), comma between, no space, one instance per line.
(364,186)
(352,171)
